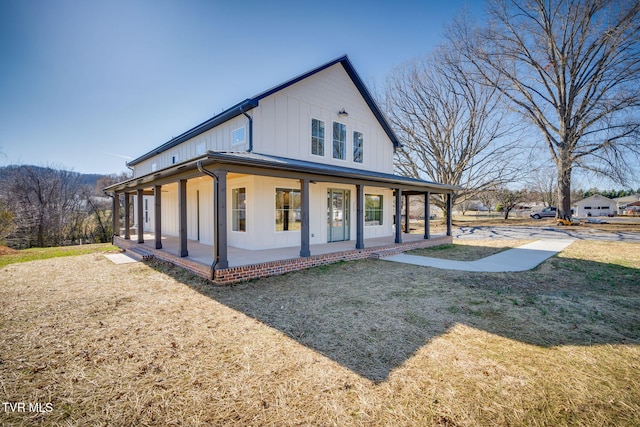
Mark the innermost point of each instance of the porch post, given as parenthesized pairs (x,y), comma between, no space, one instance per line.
(427,215)
(304,218)
(127,220)
(406,214)
(448,214)
(221,214)
(360,214)
(182,216)
(139,213)
(115,213)
(157,214)
(398,215)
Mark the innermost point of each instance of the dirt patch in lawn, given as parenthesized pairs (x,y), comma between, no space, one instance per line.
(359,343)
(7,251)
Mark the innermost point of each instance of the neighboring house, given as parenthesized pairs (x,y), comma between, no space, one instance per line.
(307,162)
(623,202)
(595,205)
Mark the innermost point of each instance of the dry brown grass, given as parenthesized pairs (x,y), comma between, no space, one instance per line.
(359,343)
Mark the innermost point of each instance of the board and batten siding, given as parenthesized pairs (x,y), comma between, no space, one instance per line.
(261,229)
(282,127)
(282,122)
(217,139)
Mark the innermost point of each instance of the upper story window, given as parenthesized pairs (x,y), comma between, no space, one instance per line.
(317,137)
(237,136)
(175,159)
(358,141)
(339,141)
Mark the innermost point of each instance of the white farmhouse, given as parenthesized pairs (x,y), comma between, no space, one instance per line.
(308,162)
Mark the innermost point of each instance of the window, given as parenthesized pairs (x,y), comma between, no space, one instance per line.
(287,209)
(175,159)
(339,141)
(372,209)
(239,209)
(588,207)
(317,137)
(237,136)
(357,146)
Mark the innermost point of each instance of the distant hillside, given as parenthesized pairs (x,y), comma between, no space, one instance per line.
(90,179)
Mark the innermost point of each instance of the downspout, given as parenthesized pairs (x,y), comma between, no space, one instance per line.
(216,250)
(243,111)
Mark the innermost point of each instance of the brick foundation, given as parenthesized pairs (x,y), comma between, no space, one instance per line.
(272,268)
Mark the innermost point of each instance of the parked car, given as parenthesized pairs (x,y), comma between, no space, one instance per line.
(548,212)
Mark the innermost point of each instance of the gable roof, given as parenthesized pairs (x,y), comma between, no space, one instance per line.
(251,103)
(595,197)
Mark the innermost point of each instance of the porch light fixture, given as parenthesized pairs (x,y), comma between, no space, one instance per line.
(343,113)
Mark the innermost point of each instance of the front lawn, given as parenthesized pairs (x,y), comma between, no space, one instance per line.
(357,343)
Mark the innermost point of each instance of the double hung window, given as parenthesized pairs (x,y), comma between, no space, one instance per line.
(317,137)
(339,141)
(287,209)
(358,141)
(373,212)
(239,209)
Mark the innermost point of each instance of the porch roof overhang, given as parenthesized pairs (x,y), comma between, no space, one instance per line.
(266,165)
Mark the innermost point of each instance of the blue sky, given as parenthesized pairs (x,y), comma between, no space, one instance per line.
(87,85)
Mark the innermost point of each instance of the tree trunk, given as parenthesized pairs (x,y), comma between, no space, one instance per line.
(564,190)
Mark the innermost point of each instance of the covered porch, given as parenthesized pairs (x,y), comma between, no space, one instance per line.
(247,264)
(221,214)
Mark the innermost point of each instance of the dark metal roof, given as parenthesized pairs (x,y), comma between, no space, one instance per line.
(275,163)
(250,103)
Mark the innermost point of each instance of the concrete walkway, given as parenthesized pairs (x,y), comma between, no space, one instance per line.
(521,258)
(120,258)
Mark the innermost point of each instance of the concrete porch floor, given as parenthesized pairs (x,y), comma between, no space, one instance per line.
(203,254)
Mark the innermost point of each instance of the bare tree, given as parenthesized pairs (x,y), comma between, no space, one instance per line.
(7,222)
(572,69)
(488,198)
(508,200)
(453,130)
(543,185)
(46,205)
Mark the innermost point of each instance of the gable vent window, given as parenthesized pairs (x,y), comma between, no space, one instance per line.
(358,141)
(237,136)
(339,141)
(317,137)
